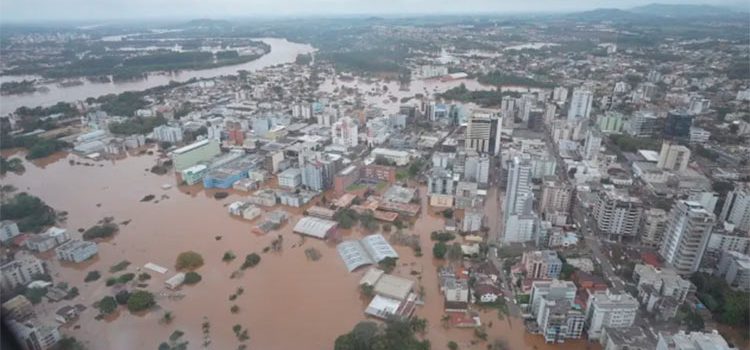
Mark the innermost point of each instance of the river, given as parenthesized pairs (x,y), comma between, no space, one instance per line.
(282,51)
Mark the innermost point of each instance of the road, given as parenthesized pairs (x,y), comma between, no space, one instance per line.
(580,215)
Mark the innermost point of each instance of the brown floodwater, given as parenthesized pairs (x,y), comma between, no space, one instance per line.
(288,302)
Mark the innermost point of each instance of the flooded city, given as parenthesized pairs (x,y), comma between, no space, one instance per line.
(290,302)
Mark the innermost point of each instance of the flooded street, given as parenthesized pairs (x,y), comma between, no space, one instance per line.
(289,302)
(282,51)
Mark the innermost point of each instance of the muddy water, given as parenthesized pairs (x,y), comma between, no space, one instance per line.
(288,303)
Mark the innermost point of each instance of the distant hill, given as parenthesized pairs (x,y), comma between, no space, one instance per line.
(655,11)
(684,11)
(206,23)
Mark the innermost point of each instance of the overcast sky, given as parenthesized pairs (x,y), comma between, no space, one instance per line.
(30,10)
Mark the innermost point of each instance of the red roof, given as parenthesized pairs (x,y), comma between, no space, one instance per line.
(651,258)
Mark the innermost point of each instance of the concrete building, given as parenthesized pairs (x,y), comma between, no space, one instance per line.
(483,132)
(722,239)
(556,200)
(550,290)
(33,334)
(610,122)
(290,178)
(736,209)
(344,132)
(630,338)
(518,193)
(166,133)
(8,230)
(76,251)
(47,240)
(673,157)
(661,291)
(541,264)
(580,104)
(605,309)
(558,320)
(20,272)
(643,124)
(400,158)
(734,267)
(692,341)
(617,214)
(686,236)
(653,224)
(592,145)
(677,125)
(192,154)
(318,170)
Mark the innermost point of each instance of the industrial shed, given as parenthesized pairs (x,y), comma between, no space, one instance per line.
(369,250)
(315,227)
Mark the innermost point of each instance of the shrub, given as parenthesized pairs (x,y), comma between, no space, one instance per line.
(111,281)
(189,260)
(100,231)
(228,256)
(92,276)
(251,260)
(439,250)
(122,265)
(125,278)
(143,276)
(107,305)
(140,300)
(234,309)
(192,277)
(122,297)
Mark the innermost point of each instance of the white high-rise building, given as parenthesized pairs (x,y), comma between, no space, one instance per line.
(483,132)
(617,214)
(592,145)
(605,309)
(344,132)
(560,94)
(166,133)
(686,236)
(736,210)
(580,104)
(673,157)
(521,222)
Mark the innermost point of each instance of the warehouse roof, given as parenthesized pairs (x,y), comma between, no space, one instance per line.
(315,227)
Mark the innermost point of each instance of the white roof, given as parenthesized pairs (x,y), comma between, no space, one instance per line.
(371,276)
(315,227)
(378,247)
(191,146)
(369,250)
(382,307)
(393,287)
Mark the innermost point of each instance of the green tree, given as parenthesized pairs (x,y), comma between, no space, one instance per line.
(122,297)
(251,260)
(192,277)
(452,345)
(367,290)
(107,305)
(387,264)
(140,300)
(92,276)
(439,250)
(189,260)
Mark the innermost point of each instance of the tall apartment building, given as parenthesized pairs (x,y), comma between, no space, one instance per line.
(344,132)
(736,210)
(643,124)
(166,133)
(557,197)
(692,341)
(653,224)
(686,236)
(20,272)
(734,267)
(617,214)
(592,145)
(483,132)
(673,157)
(318,170)
(560,94)
(605,309)
(8,230)
(580,104)
(521,222)
(558,320)
(541,264)
(661,291)
(550,290)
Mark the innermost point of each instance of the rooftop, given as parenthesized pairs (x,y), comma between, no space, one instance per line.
(315,227)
